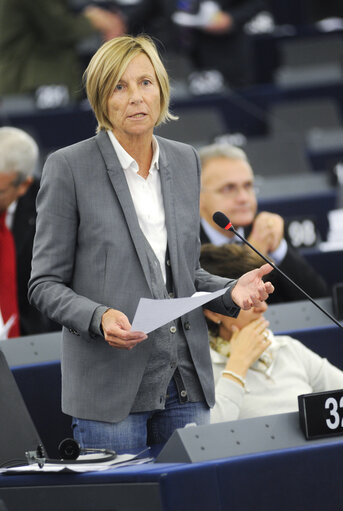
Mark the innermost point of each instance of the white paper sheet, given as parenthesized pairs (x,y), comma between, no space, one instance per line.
(121,460)
(152,314)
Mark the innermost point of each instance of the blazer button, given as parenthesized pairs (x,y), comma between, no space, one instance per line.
(187,325)
(183,393)
(172,329)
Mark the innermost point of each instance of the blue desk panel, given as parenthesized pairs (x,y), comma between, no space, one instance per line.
(299,479)
(40,386)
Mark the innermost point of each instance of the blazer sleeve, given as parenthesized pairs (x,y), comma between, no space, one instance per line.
(55,249)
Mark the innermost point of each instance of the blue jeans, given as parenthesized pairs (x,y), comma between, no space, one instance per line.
(141,429)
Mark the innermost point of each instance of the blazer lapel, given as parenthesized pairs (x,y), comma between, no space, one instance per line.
(170,212)
(118,180)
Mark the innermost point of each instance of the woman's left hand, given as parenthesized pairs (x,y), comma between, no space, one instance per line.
(250,289)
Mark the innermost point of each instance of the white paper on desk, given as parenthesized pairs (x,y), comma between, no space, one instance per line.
(152,314)
(121,460)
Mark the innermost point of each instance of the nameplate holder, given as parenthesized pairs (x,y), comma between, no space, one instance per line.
(321,414)
(301,231)
(236,438)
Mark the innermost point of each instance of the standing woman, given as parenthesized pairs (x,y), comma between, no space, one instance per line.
(118,219)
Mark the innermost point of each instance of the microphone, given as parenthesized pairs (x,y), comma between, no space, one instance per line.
(222,220)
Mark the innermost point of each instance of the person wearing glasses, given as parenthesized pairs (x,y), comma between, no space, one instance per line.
(227,185)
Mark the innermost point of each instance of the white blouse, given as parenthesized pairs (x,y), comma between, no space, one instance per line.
(295,370)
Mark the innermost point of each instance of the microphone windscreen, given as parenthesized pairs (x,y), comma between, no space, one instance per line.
(220,219)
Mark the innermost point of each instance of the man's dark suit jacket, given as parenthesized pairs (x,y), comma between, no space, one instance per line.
(23,230)
(297,268)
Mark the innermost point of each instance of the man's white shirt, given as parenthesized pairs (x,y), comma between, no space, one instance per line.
(217,238)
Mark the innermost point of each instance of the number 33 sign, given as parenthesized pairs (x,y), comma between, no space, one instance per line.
(321,414)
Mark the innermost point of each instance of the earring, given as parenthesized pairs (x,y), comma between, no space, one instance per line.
(218,322)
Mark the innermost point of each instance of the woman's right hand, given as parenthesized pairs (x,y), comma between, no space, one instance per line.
(117,330)
(247,345)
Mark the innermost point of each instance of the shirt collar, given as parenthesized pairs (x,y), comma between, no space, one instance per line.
(126,160)
(216,237)
(10,214)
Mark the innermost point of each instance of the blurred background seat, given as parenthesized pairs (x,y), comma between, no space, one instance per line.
(197,126)
(298,117)
(278,155)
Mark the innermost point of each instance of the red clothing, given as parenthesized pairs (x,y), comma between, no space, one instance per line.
(8,278)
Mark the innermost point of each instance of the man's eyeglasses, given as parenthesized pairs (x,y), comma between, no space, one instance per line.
(232,190)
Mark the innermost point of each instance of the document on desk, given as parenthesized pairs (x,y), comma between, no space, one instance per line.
(122,460)
(152,314)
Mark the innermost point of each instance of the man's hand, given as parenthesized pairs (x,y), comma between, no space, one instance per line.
(221,23)
(267,232)
(250,289)
(117,330)
(110,24)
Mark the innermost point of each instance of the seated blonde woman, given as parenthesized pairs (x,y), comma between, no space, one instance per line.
(256,372)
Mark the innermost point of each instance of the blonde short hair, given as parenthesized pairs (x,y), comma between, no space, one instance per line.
(108,65)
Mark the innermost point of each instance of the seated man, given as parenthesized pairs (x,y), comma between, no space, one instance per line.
(227,185)
(256,372)
(18,190)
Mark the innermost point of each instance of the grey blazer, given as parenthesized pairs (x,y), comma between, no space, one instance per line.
(89,251)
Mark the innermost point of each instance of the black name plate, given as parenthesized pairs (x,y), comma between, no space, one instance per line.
(321,414)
